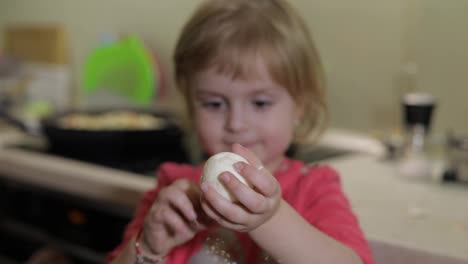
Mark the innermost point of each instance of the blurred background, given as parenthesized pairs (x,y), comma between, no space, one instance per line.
(373,51)
(69,183)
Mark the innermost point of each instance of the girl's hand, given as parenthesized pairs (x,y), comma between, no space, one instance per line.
(172,219)
(255,205)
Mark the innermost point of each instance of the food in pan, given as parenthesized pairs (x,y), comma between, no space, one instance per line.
(112,120)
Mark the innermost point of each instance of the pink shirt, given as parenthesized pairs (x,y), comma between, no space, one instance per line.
(314,191)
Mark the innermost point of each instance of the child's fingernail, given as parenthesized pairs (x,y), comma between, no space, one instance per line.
(204,187)
(238,166)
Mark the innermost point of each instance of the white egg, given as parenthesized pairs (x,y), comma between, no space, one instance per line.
(216,165)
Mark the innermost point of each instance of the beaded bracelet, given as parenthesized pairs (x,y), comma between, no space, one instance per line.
(142,259)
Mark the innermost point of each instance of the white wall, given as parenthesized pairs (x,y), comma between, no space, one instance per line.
(363,44)
(441,50)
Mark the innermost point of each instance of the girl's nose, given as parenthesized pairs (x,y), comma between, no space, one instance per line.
(237,120)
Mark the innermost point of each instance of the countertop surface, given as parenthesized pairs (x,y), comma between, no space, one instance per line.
(425,215)
(66,175)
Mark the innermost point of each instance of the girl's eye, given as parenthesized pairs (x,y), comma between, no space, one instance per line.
(262,104)
(212,105)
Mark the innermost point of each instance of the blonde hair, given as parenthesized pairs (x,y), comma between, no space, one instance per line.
(230,34)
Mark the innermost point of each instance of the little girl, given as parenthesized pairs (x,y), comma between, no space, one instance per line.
(253,84)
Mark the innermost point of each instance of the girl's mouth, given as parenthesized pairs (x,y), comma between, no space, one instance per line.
(248,145)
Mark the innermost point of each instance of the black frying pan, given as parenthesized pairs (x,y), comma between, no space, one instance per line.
(112,144)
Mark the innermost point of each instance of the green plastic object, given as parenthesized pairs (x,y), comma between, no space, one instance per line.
(125,66)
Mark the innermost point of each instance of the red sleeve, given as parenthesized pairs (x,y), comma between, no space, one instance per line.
(168,173)
(328,209)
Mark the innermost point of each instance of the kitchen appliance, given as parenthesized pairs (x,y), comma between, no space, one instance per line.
(33,218)
(417,115)
(84,229)
(457,159)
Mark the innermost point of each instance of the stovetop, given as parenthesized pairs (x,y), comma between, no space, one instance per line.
(83,227)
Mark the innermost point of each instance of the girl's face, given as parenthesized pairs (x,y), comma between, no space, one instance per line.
(256,113)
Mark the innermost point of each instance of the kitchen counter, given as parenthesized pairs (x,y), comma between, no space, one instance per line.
(65,175)
(406,222)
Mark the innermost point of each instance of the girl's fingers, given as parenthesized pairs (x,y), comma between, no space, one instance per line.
(176,196)
(221,209)
(247,154)
(178,227)
(262,180)
(254,172)
(252,200)
(211,212)
(183,204)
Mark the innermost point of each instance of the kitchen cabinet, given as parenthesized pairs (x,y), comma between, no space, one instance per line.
(34,218)
(79,208)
